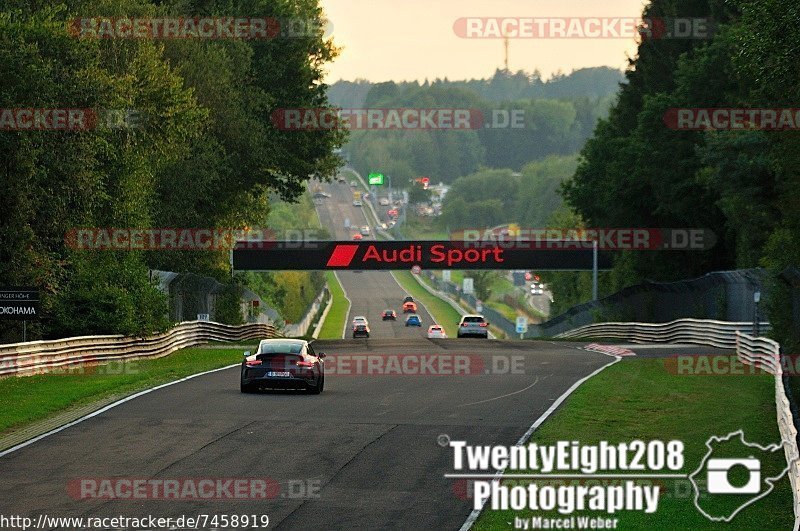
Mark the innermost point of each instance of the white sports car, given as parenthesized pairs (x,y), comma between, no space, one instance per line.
(436,332)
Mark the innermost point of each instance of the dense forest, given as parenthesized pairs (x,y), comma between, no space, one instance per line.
(742,184)
(594,83)
(492,197)
(206,154)
(559,116)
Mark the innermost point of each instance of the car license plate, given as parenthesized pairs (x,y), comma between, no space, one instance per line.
(284,374)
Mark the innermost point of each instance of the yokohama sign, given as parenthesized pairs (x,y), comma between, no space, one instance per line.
(388,255)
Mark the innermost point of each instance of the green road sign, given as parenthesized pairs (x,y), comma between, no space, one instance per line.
(376,178)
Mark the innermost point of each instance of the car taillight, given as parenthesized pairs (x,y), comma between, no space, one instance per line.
(302,363)
(253,363)
(464,324)
(484,324)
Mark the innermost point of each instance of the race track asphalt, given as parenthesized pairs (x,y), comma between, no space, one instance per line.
(370,292)
(367,446)
(362,455)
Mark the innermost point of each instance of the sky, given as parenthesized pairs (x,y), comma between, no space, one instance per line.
(403,40)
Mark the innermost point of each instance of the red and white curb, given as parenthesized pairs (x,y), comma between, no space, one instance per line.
(609,349)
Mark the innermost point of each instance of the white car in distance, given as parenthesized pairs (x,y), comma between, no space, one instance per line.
(436,331)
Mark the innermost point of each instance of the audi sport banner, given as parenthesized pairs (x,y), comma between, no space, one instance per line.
(384,255)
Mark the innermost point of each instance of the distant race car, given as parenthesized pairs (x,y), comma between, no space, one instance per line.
(473,325)
(283,364)
(357,202)
(389,315)
(360,330)
(436,332)
(360,319)
(413,320)
(365,230)
(357,236)
(383,201)
(410,307)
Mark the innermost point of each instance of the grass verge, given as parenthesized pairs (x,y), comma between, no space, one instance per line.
(641,399)
(425,228)
(505,310)
(440,310)
(334,321)
(28,399)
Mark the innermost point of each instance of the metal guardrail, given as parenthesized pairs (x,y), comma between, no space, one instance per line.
(302,328)
(721,334)
(761,352)
(721,295)
(38,357)
(766,354)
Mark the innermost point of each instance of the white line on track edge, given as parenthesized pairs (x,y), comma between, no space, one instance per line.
(349,305)
(473,516)
(106,408)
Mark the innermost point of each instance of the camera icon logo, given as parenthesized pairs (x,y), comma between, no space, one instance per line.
(740,481)
(718,481)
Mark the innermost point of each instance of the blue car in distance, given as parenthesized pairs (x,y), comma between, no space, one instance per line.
(413,320)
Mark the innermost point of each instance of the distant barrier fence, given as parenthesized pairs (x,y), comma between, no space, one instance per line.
(38,357)
(761,352)
(721,334)
(723,295)
(302,328)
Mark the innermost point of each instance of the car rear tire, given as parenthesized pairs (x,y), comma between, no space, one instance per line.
(317,389)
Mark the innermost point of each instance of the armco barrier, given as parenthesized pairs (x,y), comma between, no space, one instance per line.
(759,351)
(722,295)
(766,354)
(36,357)
(721,334)
(302,328)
